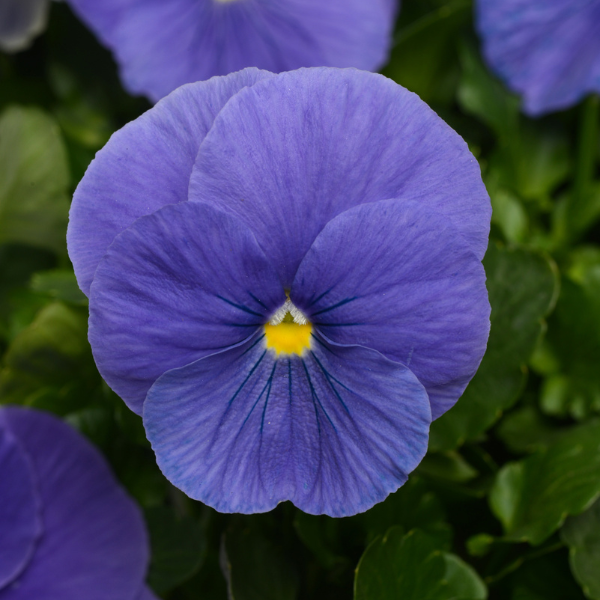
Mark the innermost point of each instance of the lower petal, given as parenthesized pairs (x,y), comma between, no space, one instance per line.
(334,430)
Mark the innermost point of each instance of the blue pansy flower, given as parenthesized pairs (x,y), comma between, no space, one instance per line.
(546,50)
(68,530)
(285,281)
(162,45)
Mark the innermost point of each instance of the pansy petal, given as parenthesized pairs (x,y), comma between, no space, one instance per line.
(334,431)
(412,289)
(548,50)
(95,544)
(292,152)
(146,594)
(163,45)
(20,518)
(145,166)
(181,283)
(20,22)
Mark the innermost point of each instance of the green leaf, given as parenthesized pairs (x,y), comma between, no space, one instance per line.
(414,505)
(448,466)
(256,568)
(526,430)
(522,286)
(582,535)
(178,547)
(34,180)
(49,364)
(411,567)
(424,56)
(485,97)
(533,497)
(574,338)
(60,284)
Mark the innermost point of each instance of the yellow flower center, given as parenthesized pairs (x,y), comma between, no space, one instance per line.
(288,338)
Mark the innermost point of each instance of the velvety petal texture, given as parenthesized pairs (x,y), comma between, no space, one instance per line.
(163,45)
(145,166)
(546,50)
(334,431)
(411,289)
(94,543)
(290,153)
(182,283)
(20,22)
(20,518)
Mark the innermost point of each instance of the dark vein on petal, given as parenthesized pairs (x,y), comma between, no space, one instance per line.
(313,302)
(258,301)
(333,307)
(269,383)
(254,344)
(315,397)
(329,378)
(239,306)
(246,380)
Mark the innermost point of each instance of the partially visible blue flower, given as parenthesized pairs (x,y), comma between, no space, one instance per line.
(20,22)
(68,530)
(161,45)
(546,50)
(285,280)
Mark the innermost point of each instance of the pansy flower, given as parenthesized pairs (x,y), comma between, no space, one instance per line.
(285,281)
(68,530)
(546,50)
(161,45)
(20,22)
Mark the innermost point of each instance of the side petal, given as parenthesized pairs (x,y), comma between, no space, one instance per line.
(146,594)
(20,515)
(305,146)
(412,289)
(547,51)
(181,283)
(145,166)
(163,45)
(95,544)
(334,431)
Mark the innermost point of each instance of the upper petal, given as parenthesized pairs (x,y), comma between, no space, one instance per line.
(547,50)
(411,289)
(95,544)
(181,283)
(20,518)
(302,147)
(163,45)
(334,431)
(144,166)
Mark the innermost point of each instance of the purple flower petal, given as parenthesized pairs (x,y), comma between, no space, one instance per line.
(163,45)
(146,594)
(145,166)
(547,50)
(177,285)
(334,431)
(292,152)
(411,289)
(94,544)
(20,519)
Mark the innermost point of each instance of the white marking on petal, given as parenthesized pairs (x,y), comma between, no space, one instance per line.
(288,307)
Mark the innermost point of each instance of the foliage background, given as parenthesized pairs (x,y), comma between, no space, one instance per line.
(504,505)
